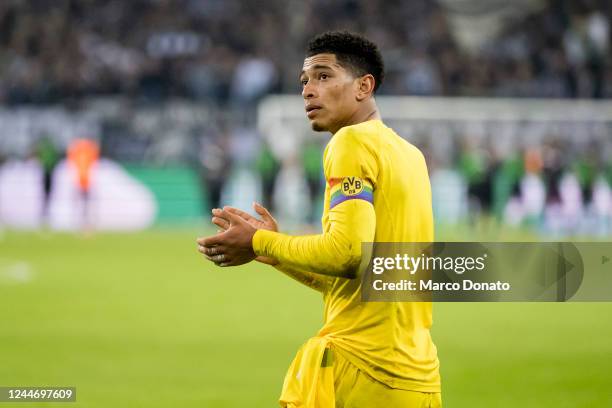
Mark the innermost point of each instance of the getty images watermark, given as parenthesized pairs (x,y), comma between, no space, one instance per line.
(487,272)
(413,264)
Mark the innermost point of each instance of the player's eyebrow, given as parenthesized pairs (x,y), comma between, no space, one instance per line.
(315,67)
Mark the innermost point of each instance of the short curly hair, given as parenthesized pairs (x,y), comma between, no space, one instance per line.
(353,51)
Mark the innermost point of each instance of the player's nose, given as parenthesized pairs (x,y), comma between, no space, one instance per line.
(308,92)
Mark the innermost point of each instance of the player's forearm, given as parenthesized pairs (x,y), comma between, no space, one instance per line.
(312,280)
(337,252)
(318,253)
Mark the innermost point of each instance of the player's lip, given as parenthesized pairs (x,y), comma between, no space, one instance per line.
(312,109)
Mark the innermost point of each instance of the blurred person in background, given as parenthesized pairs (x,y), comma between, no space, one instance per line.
(83,154)
(586,43)
(475,168)
(2,160)
(214,165)
(48,156)
(242,184)
(601,206)
(313,170)
(292,195)
(530,204)
(449,192)
(572,202)
(507,172)
(553,168)
(268,167)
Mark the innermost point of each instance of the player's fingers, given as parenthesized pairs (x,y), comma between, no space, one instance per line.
(217,259)
(234,210)
(212,251)
(263,211)
(213,240)
(239,213)
(203,250)
(222,260)
(206,250)
(259,209)
(221,222)
(227,262)
(234,219)
(221,213)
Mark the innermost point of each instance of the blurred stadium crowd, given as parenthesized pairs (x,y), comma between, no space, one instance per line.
(554,178)
(165,82)
(231,51)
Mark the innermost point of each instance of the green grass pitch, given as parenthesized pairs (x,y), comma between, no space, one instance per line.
(141,320)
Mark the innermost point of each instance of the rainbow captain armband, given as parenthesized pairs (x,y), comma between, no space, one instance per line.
(349,188)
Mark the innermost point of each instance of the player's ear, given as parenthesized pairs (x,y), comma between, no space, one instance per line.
(365,86)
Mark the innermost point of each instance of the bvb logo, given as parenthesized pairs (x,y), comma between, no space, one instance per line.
(351,186)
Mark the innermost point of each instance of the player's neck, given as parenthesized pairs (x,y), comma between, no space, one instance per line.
(369,111)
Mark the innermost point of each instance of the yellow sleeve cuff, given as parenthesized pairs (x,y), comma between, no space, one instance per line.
(261,241)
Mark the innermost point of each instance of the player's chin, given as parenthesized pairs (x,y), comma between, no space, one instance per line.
(317,126)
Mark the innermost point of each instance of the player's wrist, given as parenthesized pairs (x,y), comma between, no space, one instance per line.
(259,241)
(268,261)
(256,242)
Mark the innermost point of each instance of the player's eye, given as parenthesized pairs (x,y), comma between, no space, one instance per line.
(304,82)
(323,76)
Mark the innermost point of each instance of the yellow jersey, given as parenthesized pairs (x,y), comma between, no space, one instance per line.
(377,191)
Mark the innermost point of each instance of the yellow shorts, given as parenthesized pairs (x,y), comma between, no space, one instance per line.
(355,389)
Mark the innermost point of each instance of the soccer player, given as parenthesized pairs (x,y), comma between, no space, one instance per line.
(48,156)
(82,155)
(368,354)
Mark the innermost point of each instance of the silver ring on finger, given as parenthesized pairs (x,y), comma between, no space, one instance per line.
(219,258)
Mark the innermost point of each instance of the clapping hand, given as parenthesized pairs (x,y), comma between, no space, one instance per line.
(236,227)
